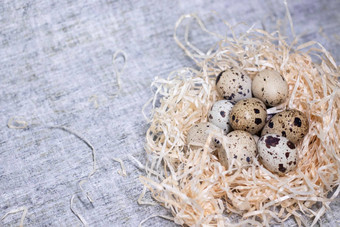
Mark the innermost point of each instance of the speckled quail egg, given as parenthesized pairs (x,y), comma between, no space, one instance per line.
(219,115)
(292,124)
(240,145)
(270,87)
(248,115)
(233,85)
(198,134)
(277,153)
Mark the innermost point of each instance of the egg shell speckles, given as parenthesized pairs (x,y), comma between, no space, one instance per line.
(219,115)
(240,146)
(277,153)
(270,87)
(292,124)
(248,115)
(198,134)
(233,85)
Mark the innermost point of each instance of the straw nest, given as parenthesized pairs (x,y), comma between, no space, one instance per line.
(194,186)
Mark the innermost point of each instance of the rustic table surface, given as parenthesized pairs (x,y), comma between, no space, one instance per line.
(56,69)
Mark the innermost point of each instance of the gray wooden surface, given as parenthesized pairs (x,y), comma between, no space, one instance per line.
(56,69)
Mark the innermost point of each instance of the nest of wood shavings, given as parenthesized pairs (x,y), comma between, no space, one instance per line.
(195,187)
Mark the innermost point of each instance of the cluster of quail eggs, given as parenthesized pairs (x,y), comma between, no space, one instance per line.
(242,118)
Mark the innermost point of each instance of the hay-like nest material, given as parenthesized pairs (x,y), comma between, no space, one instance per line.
(195,186)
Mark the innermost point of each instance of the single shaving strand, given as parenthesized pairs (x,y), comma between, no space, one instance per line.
(17,123)
(94,165)
(14,211)
(121,172)
(289,18)
(193,185)
(79,216)
(141,196)
(118,72)
(137,162)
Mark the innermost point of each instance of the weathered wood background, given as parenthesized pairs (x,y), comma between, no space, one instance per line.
(56,69)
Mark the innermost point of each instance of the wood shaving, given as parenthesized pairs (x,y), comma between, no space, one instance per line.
(136,162)
(141,196)
(17,123)
(121,172)
(118,54)
(14,211)
(194,186)
(79,216)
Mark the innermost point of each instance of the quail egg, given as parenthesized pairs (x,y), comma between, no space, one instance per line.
(199,133)
(277,153)
(219,115)
(233,85)
(248,115)
(240,145)
(270,87)
(292,124)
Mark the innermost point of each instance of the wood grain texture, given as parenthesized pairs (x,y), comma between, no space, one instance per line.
(56,69)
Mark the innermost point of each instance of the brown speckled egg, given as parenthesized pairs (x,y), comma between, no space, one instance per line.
(248,115)
(233,85)
(270,87)
(219,115)
(292,124)
(198,135)
(277,153)
(240,146)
